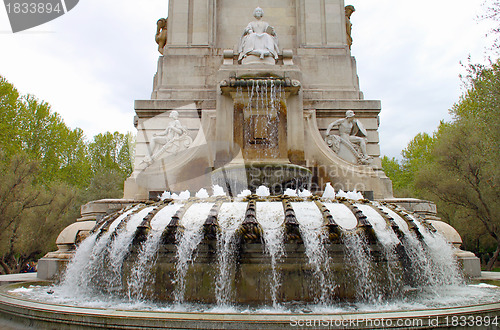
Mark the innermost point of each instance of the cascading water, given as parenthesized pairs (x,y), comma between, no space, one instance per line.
(314,236)
(90,256)
(418,256)
(188,240)
(353,251)
(230,218)
(273,218)
(388,243)
(141,271)
(357,256)
(119,249)
(445,269)
(262,103)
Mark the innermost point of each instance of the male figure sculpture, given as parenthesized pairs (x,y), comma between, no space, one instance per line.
(258,39)
(173,139)
(352,132)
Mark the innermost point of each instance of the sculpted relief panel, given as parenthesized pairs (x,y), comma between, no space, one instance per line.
(173,139)
(349,143)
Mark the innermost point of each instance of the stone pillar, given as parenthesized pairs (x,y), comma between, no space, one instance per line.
(321,23)
(190,23)
(295,128)
(224,138)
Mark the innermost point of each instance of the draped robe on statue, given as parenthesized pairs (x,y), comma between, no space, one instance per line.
(260,40)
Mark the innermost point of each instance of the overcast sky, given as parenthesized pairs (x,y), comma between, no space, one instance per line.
(92,63)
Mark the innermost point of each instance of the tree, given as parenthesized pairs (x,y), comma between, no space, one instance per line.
(8,112)
(463,173)
(399,177)
(30,126)
(30,214)
(48,170)
(458,166)
(492,13)
(417,155)
(111,163)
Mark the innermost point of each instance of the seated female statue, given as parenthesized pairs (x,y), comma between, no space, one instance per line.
(259,39)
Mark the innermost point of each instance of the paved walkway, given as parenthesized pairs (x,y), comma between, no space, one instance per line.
(490,276)
(16,278)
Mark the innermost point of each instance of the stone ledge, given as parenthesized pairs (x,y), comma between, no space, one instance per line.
(421,207)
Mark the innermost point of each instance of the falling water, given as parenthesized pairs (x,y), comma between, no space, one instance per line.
(74,274)
(356,249)
(187,242)
(445,269)
(120,247)
(141,271)
(417,257)
(388,242)
(357,255)
(262,104)
(89,258)
(271,217)
(426,259)
(314,235)
(342,215)
(230,217)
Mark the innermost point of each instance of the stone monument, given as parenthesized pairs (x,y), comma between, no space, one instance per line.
(207,66)
(235,109)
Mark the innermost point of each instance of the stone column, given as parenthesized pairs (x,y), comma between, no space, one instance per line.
(190,23)
(320,23)
(295,129)
(224,138)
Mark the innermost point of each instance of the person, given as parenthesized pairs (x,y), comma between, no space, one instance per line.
(259,38)
(348,25)
(352,131)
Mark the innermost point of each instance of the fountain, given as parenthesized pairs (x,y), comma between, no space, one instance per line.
(269,135)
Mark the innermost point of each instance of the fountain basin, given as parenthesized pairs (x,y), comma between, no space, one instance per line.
(261,251)
(39,314)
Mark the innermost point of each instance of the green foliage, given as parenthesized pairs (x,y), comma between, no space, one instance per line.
(111,163)
(31,127)
(458,166)
(111,151)
(417,155)
(47,171)
(31,214)
(465,172)
(400,180)
(8,112)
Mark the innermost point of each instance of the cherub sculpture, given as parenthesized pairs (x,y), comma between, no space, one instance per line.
(161,34)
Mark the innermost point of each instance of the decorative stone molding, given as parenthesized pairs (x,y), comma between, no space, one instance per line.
(287,57)
(228,56)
